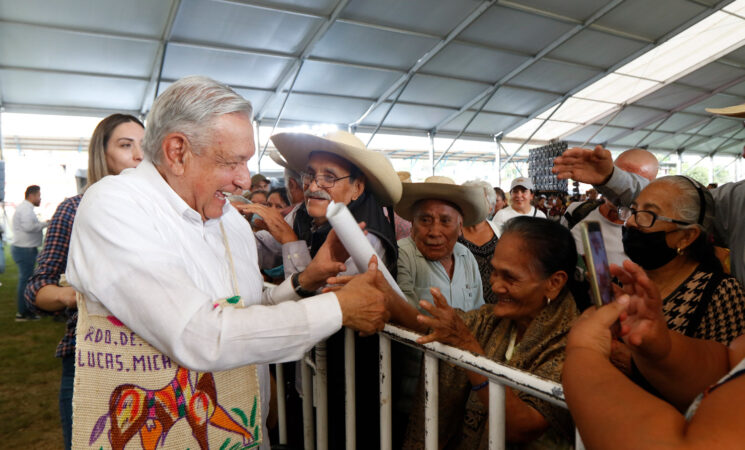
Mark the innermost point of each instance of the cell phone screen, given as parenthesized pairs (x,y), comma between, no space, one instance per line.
(597,263)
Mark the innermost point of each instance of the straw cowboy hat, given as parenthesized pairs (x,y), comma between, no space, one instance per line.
(732,111)
(404,176)
(380,176)
(470,200)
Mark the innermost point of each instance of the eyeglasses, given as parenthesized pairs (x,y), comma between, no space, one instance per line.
(323,181)
(645,219)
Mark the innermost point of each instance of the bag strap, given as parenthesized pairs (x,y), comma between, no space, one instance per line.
(703,303)
(233,277)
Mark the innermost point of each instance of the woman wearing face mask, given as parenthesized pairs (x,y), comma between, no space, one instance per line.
(666,232)
(114,146)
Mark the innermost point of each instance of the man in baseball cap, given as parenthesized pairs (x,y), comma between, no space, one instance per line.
(259,183)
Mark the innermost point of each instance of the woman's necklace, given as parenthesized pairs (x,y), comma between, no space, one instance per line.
(511,345)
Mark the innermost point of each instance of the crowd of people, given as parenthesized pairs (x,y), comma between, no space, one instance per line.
(174,239)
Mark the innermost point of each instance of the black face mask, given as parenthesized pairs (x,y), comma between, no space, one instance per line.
(649,250)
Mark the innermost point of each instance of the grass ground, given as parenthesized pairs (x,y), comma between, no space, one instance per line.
(29,374)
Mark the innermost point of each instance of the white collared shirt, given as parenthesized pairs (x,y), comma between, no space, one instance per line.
(139,250)
(26,226)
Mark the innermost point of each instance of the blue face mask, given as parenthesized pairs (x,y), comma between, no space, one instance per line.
(275,272)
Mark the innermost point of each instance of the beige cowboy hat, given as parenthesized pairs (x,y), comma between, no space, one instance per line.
(379,173)
(469,199)
(732,111)
(404,176)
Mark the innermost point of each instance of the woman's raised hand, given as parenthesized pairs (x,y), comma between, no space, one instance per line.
(444,323)
(644,325)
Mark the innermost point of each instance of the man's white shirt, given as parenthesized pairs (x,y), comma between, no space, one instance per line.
(26,226)
(141,252)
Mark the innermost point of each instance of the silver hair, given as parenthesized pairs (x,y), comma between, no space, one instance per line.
(292,175)
(491,196)
(189,106)
(688,205)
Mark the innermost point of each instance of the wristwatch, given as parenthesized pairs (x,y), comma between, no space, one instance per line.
(304,293)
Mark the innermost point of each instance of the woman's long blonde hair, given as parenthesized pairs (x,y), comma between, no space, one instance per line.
(97,167)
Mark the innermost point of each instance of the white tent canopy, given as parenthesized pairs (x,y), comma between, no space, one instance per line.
(441,68)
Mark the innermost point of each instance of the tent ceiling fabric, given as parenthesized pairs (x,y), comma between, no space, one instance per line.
(519,57)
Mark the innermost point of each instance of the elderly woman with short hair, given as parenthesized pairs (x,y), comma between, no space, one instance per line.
(667,232)
(481,238)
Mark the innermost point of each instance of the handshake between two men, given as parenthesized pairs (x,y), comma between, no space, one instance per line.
(367,300)
(362,297)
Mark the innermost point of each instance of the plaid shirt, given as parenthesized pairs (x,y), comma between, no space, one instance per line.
(52,263)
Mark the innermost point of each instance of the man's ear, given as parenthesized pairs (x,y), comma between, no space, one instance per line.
(358,187)
(176,152)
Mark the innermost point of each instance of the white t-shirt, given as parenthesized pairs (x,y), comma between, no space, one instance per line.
(611,236)
(503,215)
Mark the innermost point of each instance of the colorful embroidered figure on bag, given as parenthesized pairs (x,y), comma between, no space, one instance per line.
(152,413)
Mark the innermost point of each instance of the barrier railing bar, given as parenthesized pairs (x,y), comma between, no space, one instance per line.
(578,444)
(544,389)
(431,396)
(497,416)
(281,406)
(349,387)
(322,398)
(307,377)
(386,405)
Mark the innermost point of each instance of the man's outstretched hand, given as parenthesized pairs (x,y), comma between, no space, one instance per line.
(583,165)
(362,304)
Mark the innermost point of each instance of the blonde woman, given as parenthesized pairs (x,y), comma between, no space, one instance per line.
(114,146)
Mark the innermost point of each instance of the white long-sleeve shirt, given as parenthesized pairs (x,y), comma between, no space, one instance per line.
(26,226)
(140,251)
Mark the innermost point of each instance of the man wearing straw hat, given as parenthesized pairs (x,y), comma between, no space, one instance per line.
(334,167)
(432,256)
(338,167)
(621,187)
(162,251)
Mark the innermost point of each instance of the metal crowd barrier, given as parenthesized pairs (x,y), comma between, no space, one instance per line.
(314,387)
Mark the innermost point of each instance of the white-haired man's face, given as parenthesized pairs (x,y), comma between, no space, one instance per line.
(435,228)
(338,187)
(221,167)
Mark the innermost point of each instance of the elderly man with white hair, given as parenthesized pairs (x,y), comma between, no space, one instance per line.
(163,252)
(338,167)
(432,257)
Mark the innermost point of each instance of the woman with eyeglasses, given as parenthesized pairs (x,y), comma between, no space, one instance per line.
(667,231)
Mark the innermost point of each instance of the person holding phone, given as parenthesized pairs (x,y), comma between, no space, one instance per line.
(702,376)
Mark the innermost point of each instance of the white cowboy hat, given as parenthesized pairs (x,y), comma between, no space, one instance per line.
(470,200)
(380,176)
